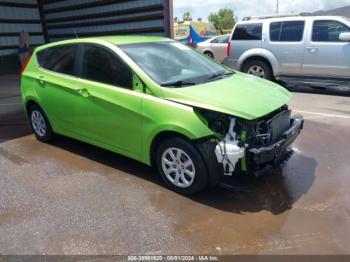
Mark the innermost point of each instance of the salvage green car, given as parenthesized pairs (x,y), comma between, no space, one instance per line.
(161,103)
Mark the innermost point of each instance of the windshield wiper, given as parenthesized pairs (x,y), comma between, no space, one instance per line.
(179,83)
(221,74)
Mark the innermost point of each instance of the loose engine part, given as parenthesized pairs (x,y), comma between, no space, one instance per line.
(227,150)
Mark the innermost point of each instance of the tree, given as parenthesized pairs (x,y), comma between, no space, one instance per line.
(176,19)
(199,19)
(187,16)
(223,19)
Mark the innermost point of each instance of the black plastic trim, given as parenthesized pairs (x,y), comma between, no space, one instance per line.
(260,160)
(206,147)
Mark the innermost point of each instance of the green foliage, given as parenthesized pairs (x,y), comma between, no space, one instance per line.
(187,16)
(223,19)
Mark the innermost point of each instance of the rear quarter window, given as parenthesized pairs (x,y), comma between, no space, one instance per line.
(60,59)
(248,32)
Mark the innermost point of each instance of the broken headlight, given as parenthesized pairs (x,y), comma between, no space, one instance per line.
(218,126)
(217,122)
(227,150)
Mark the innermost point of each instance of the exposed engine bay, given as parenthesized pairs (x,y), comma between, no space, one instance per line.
(227,150)
(241,143)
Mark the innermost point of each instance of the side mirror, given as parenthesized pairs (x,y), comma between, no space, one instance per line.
(344,37)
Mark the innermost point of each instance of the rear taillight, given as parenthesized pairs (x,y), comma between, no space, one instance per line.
(24,66)
(228,51)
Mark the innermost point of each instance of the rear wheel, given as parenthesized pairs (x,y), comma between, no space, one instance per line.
(40,124)
(181,166)
(258,68)
(209,54)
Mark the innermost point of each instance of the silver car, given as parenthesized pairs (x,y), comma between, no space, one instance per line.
(215,47)
(305,48)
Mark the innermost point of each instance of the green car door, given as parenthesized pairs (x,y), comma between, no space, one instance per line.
(111,110)
(57,86)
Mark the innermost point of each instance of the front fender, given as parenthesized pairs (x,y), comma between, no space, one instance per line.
(160,115)
(259,52)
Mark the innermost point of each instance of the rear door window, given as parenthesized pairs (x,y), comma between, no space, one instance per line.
(59,59)
(328,31)
(288,31)
(103,66)
(247,32)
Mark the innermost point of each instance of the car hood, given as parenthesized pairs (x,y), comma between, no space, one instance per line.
(239,95)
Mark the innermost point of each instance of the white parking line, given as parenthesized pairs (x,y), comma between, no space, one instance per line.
(321,114)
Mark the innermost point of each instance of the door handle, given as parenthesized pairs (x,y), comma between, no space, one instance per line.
(42,81)
(312,49)
(83,92)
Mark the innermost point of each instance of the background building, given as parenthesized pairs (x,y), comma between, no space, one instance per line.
(53,20)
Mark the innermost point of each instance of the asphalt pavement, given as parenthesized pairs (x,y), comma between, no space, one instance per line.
(68,197)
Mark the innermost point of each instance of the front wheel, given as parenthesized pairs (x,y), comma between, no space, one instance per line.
(259,69)
(181,166)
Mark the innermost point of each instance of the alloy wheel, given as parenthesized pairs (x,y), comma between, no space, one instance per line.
(178,167)
(256,71)
(38,123)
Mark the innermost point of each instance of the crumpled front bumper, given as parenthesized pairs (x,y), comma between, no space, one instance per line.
(258,161)
(264,159)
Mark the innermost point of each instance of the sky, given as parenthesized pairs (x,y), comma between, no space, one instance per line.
(242,8)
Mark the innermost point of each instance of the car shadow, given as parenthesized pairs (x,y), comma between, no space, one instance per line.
(107,158)
(275,193)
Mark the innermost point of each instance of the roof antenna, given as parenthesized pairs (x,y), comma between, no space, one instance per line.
(76,35)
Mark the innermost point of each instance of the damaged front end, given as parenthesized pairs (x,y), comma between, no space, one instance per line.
(248,147)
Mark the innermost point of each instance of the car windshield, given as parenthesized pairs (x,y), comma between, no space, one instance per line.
(172,64)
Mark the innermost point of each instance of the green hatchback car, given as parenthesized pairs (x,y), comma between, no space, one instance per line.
(161,103)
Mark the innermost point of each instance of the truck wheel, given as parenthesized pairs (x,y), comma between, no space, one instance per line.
(181,166)
(258,68)
(40,124)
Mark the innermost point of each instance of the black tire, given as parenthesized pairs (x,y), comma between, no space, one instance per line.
(200,181)
(267,71)
(41,136)
(209,54)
